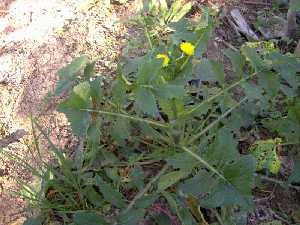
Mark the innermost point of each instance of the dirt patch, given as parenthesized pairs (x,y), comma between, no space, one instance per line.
(36,40)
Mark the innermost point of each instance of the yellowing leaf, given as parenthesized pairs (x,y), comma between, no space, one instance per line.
(265,153)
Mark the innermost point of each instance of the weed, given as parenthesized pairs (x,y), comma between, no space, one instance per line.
(167,131)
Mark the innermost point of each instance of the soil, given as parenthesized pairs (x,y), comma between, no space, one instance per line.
(36,40)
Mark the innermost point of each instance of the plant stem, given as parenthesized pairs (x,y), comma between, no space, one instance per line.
(148,35)
(191,111)
(280,182)
(203,162)
(134,118)
(216,121)
(147,187)
(218,217)
(289,143)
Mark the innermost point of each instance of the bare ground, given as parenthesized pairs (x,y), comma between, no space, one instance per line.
(37,38)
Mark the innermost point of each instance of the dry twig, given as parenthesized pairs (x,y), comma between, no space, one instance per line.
(13,137)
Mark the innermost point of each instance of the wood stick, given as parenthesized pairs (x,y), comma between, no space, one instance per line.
(13,137)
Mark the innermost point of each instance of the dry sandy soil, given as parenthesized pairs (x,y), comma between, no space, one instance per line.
(37,38)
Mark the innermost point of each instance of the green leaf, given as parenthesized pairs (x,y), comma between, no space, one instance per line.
(223,149)
(295,176)
(69,73)
(255,60)
(182,32)
(227,102)
(294,113)
(186,217)
(149,131)
(295,5)
(118,93)
(182,161)
(133,217)
(208,70)
(170,179)
(287,66)
(181,11)
(270,82)
(38,220)
(169,91)
(137,176)
(219,72)
(93,136)
(145,101)
(252,91)
(120,131)
(93,196)
(163,6)
(171,107)
(96,92)
(130,66)
(234,189)
(110,194)
(170,197)
(89,70)
(237,61)
(182,212)
(226,195)
(113,174)
(240,178)
(72,108)
(146,201)
(162,219)
(204,35)
(148,70)
(88,218)
(176,5)
(200,184)
(241,174)
(286,128)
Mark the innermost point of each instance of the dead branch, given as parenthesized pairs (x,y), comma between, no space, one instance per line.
(13,137)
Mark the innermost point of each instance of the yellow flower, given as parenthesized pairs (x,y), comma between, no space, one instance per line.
(187,48)
(165,57)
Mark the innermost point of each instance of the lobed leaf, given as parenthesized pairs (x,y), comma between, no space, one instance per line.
(145,101)
(110,194)
(72,108)
(171,178)
(88,217)
(69,74)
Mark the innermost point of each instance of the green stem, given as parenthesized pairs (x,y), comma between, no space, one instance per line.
(216,121)
(218,217)
(123,78)
(148,35)
(185,62)
(138,119)
(289,143)
(201,160)
(147,187)
(191,111)
(280,182)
